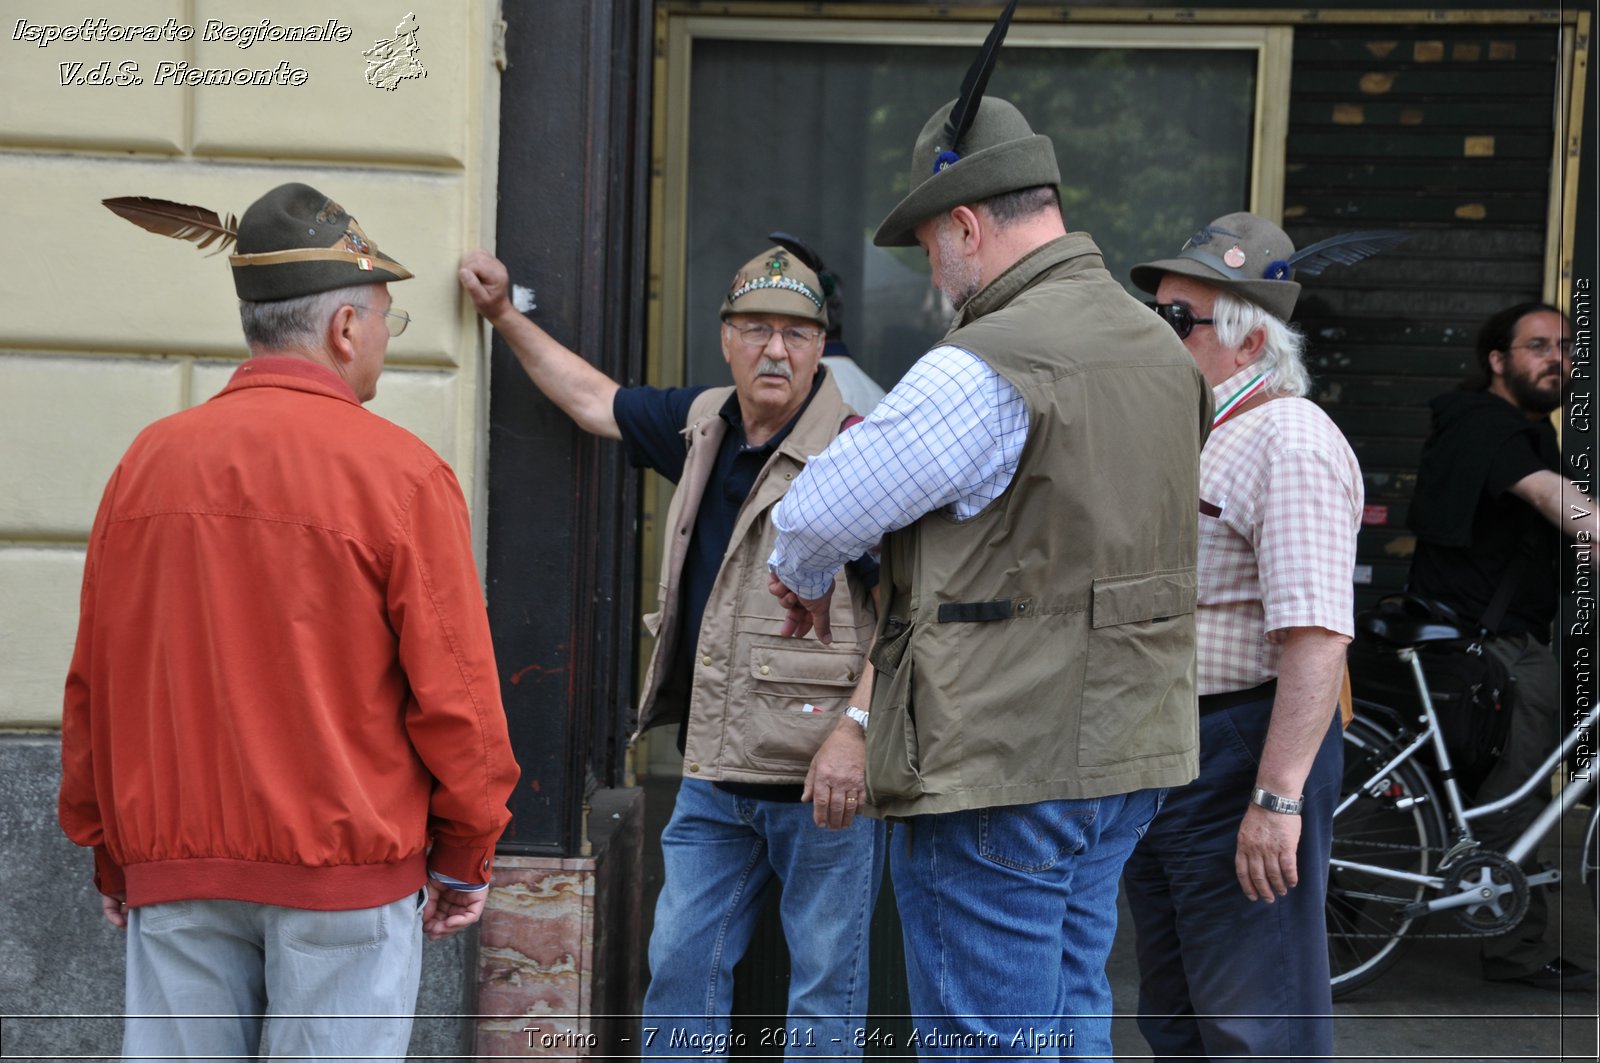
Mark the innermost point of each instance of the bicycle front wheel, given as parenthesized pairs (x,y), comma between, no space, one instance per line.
(1393,823)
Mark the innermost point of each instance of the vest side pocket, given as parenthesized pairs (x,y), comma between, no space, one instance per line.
(893,762)
(1138,680)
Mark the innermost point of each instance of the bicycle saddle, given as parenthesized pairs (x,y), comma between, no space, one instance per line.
(1411,620)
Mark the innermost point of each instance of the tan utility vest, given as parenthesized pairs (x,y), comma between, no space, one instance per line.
(748,696)
(1044,649)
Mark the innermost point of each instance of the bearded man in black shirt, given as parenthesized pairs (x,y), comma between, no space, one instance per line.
(1490,511)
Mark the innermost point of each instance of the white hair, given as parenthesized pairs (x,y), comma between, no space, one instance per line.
(1283,353)
(281,324)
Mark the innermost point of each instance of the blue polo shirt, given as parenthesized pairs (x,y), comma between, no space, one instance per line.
(652,421)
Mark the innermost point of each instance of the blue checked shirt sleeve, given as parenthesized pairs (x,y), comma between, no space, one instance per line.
(948,436)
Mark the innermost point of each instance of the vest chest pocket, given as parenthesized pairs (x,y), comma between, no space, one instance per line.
(784,681)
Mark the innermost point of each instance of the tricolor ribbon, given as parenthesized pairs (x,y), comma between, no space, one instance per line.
(1240,397)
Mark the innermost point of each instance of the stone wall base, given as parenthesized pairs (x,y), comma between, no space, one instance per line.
(560,943)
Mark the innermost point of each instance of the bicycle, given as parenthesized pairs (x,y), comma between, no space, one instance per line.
(1391,866)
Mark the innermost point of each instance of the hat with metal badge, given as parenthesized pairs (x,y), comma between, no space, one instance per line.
(1248,256)
(295,241)
(973,147)
(776,282)
(1239,253)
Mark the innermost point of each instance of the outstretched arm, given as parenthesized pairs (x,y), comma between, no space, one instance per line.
(1559,501)
(582,391)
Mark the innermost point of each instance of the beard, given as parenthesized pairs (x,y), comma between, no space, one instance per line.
(959,278)
(1538,393)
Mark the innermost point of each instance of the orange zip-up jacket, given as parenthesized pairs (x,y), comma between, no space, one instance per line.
(283,689)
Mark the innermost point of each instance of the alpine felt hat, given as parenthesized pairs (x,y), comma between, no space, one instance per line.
(776,282)
(295,241)
(999,153)
(1240,253)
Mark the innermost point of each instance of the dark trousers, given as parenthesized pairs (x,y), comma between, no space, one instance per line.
(1535,732)
(1220,975)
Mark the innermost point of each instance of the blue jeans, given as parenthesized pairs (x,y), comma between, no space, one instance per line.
(1008,916)
(1220,975)
(721,851)
(230,979)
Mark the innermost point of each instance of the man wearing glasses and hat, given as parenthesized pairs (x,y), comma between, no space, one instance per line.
(1227,889)
(282,732)
(1036,476)
(750,708)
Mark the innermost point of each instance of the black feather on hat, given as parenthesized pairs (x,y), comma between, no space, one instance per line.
(973,147)
(1247,255)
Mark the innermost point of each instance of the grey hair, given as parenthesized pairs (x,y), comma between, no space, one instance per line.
(295,323)
(1283,353)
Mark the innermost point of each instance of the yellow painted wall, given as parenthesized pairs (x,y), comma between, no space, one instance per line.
(105,328)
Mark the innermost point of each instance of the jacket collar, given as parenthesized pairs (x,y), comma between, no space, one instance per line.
(1076,248)
(286,371)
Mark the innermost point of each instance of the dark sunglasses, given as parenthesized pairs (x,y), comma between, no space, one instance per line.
(1180,317)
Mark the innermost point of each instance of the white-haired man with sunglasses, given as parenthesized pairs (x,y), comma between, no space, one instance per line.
(751,709)
(1227,888)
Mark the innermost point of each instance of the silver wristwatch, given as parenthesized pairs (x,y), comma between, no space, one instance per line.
(1284,806)
(858,715)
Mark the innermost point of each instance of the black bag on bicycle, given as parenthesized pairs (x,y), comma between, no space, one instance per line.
(1473,695)
(1472,692)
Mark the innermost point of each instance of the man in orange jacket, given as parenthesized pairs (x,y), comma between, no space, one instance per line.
(283,734)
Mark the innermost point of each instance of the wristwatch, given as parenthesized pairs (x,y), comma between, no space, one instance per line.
(1284,806)
(858,715)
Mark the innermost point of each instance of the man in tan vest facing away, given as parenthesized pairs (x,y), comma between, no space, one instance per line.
(1035,475)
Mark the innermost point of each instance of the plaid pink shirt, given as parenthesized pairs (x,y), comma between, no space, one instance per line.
(1283,552)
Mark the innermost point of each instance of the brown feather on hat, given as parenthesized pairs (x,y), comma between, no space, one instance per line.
(293,241)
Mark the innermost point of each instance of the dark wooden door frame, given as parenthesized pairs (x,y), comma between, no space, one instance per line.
(562,510)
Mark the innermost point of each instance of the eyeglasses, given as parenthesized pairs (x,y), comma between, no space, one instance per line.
(1180,317)
(394,320)
(796,340)
(1543,348)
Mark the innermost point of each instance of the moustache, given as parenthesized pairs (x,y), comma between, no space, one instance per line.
(773,367)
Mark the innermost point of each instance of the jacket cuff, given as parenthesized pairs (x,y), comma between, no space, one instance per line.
(467,864)
(108,877)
